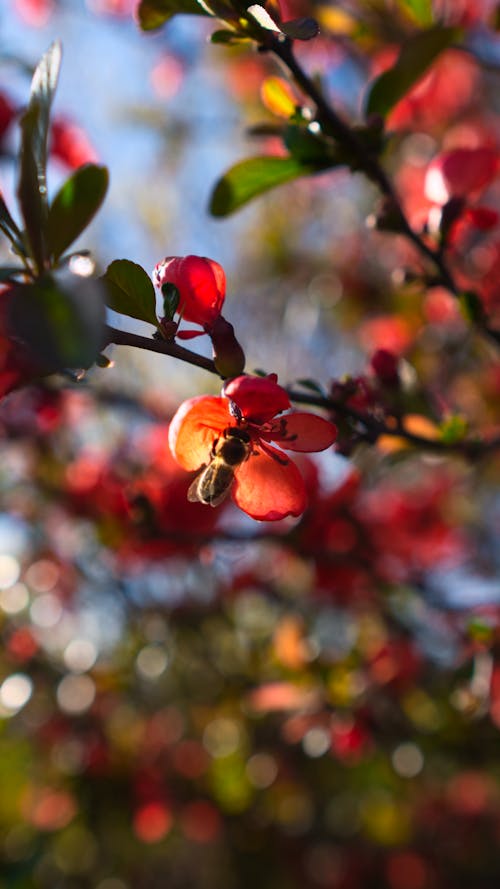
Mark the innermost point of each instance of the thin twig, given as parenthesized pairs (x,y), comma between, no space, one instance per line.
(376,427)
(364,159)
(164,347)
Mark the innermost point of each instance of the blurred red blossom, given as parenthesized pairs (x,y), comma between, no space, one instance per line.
(446,89)
(167,76)
(460,173)
(36,13)
(7,114)
(70,144)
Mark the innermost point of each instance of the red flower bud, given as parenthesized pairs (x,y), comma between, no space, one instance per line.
(70,144)
(228,355)
(385,367)
(201,283)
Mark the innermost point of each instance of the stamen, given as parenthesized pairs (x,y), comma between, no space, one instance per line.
(282,459)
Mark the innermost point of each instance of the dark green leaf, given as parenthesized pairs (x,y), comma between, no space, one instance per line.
(171,299)
(9,227)
(61,320)
(252,177)
(32,188)
(8,272)
(265,130)
(414,59)
(300,29)
(129,291)
(312,385)
(472,307)
(309,148)
(226,37)
(420,10)
(74,206)
(154,13)
(32,200)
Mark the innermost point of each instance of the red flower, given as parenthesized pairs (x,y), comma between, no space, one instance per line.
(201,283)
(7,114)
(231,436)
(459,172)
(70,144)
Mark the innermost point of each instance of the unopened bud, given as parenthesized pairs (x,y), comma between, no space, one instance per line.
(385,367)
(229,357)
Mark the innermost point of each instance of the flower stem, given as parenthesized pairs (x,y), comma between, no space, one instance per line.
(124,338)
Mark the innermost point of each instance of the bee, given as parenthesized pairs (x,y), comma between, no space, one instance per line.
(229,451)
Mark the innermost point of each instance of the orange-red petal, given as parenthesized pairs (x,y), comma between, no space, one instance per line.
(258,398)
(303,431)
(269,489)
(194,428)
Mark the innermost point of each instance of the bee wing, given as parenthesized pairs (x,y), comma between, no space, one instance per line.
(213,484)
(217,495)
(193,494)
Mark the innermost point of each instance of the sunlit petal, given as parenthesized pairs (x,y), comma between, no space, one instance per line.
(194,428)
(258,398)
(201,283)
(302,431)
(267,488)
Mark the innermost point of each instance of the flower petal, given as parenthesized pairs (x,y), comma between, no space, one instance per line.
(194,428)
(269,489)
(258,398)
(188,334)
(302,431)
(201,283)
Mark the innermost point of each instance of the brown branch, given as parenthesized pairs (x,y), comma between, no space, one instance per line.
(375,427)
(365,160)
(164,347)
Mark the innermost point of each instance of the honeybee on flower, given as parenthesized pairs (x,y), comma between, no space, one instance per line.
(232,438)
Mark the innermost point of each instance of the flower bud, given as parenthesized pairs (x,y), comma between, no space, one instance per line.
(201,283)
(385,367)
(229,357)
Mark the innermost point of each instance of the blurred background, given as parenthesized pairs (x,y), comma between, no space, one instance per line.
(187,697)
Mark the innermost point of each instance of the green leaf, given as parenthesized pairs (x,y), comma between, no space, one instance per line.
(312,385)
(413,60)
(60,319)
(227,37)
(74,206)
(472,307)
(32,187)
(309,148)
(419,10)
(130,291)
(8,272)
(252,177)
(453,429)
(32,199)
(153,14)
(10,228)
